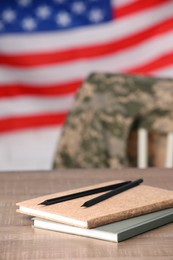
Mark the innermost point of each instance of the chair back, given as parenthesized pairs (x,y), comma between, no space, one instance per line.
(107,106)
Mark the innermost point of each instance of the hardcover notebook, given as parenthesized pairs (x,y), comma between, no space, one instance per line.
(133,202)
(115,232)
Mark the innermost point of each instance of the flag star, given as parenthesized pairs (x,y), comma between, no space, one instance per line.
(96,15)
(24,3)
(43,12)
(59,1)
(78,7)
(63,19)
(9,15)
(29,24)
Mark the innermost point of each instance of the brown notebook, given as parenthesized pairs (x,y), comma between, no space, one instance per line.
(133,202)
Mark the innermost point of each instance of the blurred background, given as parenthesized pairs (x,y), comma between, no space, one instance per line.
(47,49)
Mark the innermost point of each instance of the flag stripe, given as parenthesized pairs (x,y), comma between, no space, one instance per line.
(13,90)
(120,3)
(71,88)
(39,120)
(31,121)
(30,105)
(165,72)
(124,60)
(155,64)
(30,60)
(136,6)
(40,73)
(116,30)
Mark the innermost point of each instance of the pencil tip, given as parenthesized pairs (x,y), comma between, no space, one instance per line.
(42,203)
(84,205)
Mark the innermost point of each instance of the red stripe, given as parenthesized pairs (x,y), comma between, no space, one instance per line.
(137,6)
(13,90)
(32,121)
(86,52)
(161,62)
(36,121)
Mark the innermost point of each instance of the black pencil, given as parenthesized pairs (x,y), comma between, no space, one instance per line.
(112,193)
(83,193)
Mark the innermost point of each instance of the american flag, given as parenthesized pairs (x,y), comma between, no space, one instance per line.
(48,47)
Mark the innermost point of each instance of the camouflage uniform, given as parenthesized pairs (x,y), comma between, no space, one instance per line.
(107,106)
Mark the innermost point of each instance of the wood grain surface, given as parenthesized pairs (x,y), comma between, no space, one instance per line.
(18,240)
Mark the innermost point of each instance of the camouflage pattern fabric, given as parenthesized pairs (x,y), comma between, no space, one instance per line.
(106,107)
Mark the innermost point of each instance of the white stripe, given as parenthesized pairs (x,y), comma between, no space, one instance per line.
(121,3)
(29,150)
(28,106)
(122,61)
(164,72)
(118,29)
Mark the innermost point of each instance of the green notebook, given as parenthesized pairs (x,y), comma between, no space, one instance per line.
(115,232)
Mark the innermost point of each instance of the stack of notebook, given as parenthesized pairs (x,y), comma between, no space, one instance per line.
(119,217)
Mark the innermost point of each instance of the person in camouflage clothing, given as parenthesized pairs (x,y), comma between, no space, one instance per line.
(105,109)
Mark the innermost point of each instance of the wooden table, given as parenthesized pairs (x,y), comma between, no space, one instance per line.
(18,240)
